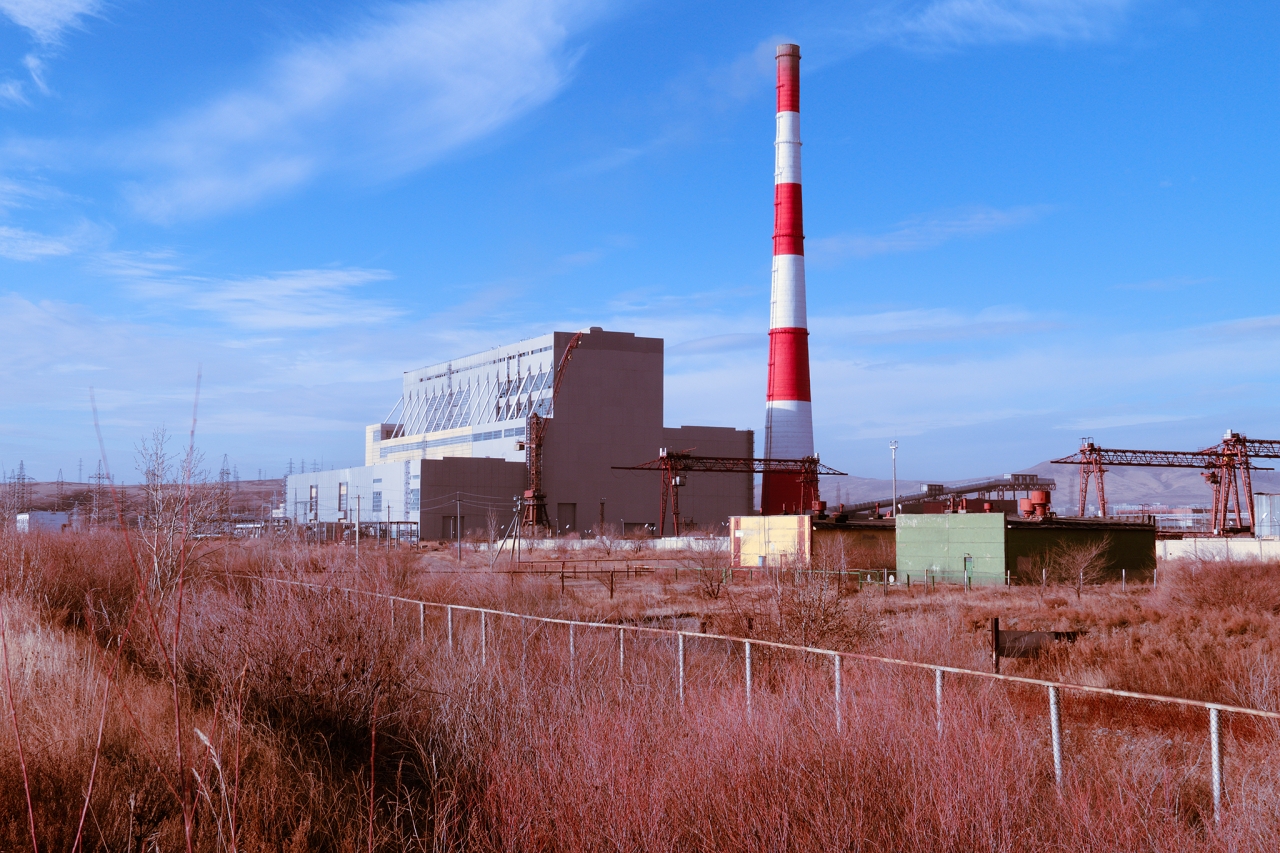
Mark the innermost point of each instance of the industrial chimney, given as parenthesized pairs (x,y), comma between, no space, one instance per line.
(788,432)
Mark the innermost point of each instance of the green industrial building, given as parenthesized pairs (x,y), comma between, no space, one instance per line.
(991,549)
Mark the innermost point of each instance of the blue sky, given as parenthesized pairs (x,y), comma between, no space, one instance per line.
(1027,220)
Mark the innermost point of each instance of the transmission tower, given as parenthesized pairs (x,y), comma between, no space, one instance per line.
(98,482)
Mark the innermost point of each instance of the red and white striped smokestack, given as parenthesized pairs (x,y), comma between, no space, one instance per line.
(788,430)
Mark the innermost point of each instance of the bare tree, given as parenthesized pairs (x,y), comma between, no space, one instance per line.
(177,504)
(1073,564)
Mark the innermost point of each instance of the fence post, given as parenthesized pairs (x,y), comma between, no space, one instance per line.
(422,622)
(392,602)
(484,650)
(1215,755)
(937,697)
(622,654)
(572,658)
(835,660)
(746,648)
(448,613)
(680,655)
(1055,731)
(1122,578)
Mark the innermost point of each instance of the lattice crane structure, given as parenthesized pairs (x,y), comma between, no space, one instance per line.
(1226,467)
(674,464)
(534,513)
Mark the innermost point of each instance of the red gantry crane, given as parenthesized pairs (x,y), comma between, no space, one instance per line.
(534,516)
(1225,467)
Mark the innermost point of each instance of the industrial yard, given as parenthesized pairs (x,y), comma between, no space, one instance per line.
(963,534)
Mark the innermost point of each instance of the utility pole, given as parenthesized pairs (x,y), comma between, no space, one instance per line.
(893,449)
(519,527)
(357,531)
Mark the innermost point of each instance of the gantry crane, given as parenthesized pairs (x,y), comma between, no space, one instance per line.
(1223,466)
(1236,453)
(534,507)
(674,464)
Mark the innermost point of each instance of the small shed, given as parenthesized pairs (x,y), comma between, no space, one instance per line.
(760,540)
(28,522)
(769,540)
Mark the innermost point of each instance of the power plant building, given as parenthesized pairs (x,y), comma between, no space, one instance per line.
(453,446)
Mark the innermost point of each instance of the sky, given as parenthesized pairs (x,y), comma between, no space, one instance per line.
(1027,221)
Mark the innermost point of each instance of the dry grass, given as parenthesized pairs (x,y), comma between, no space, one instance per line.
(285,695)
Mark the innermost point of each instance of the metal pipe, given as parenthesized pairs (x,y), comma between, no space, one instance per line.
(1215,754)
(484,650)
(422,622)
(622,654)
(746,648)
(572,654)
(893,450)
(448,615)
(1055,731)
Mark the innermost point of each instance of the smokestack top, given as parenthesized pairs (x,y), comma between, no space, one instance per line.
(789,79)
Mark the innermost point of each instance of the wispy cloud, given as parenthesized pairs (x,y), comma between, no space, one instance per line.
(1112,421)
(1266,326)
(291,301)
(405,86)
(926,232)
(18,244)
(965,22)
(925,323)
(46,20)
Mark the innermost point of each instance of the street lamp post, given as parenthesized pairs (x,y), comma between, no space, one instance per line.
(893,449)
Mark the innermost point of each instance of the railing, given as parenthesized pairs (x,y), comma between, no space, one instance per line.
(1054,688)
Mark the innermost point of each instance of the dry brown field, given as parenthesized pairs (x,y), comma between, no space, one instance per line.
(161,698)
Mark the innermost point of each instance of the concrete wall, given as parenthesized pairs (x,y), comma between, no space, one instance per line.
(758,540)
(1218,549)
(1131,547)
(609,412)
(483,485)
(857,545)
(421,490)
(708,500)
(938,545)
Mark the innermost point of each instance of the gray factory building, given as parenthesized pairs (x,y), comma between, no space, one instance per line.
(457,433)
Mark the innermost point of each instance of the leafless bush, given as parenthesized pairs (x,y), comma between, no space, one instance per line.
(709,559)
(805,608)
(1072,564)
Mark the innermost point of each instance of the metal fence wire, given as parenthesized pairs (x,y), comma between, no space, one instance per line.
(1074,726)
